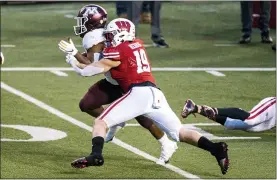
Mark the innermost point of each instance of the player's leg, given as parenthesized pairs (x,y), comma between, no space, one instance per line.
(144,122)
(96,96)
(236,124)
(101,93)
(210,112)
(167,120)
(230,123)
(168,147)
(149,125)
(132,104)
(173,127)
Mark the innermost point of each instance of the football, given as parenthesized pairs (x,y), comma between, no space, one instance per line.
(2,59)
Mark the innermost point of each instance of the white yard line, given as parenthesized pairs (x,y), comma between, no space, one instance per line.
(236,138)
(70,16)
(88,128)
(193,126)
(7,45)
(148,45)
(213,69)
(59,73)
(242,69)
(216,73)
(226,45)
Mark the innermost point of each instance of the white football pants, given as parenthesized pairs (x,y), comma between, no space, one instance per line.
(147,101)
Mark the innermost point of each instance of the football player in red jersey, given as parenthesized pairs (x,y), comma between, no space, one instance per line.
(91,20)
(129,65)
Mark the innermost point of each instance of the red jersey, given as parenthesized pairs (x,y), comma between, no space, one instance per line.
(134,68)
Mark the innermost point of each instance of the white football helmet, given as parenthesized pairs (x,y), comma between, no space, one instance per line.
(119,30)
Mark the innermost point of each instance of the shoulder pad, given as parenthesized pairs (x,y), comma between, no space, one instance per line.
(92,38)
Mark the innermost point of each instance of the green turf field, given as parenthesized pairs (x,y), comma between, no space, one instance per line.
(193,31)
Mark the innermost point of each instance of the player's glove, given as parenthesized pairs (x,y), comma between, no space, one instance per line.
(68,48)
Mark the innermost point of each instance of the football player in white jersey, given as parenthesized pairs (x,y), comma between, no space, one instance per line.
(91,20)
(262,117)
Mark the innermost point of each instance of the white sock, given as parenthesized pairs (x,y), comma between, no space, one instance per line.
(163,139)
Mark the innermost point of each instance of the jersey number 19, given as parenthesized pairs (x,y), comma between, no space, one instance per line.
(142,61)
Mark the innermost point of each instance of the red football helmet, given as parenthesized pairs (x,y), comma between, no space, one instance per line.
(90,17)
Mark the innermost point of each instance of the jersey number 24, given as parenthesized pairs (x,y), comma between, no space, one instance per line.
(142,61)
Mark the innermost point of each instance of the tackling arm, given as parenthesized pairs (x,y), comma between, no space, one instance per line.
(93,54)
(95,68)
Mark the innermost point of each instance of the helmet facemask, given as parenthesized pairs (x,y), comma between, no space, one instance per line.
(80,28)
(117,37)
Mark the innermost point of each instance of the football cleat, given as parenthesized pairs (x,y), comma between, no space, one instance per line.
(167,151)
(91,160)
(266,37)
(158,41)
(245,39)
(222,157)
(113,130)
(189,108)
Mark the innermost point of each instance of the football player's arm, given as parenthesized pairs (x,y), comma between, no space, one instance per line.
(93,53)
(99,67)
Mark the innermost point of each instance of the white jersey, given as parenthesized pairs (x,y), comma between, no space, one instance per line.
(92,38)
(263,115)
